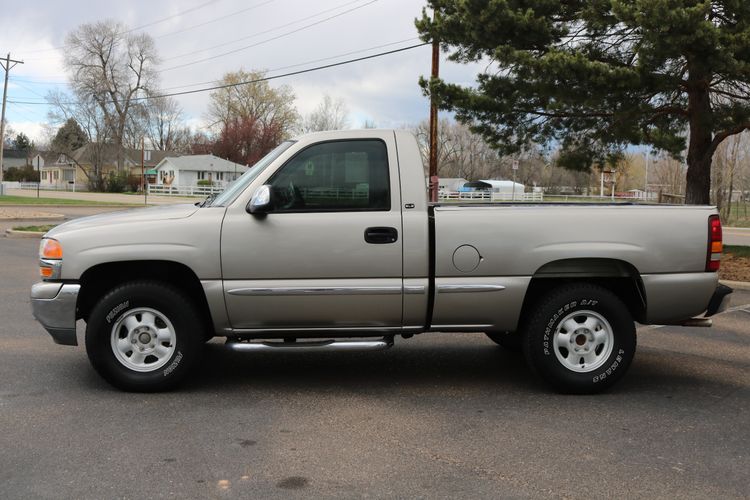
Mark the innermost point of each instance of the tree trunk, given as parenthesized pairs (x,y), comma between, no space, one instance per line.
(700,151)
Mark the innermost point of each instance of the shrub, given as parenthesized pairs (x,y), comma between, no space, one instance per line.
(116,182)
(205,182)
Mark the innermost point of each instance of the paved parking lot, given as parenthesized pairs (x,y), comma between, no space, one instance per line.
(437,416)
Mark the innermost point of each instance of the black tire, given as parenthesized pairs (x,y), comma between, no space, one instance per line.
(510,341)
(178,354)
(544,334)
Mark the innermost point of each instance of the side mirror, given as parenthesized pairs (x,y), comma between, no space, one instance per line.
(261,201)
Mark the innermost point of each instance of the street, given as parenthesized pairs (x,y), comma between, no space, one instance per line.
(437,416)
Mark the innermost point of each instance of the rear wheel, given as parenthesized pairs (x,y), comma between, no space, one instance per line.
(580,339)
(144,336)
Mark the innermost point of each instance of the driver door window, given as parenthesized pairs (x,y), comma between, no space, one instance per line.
(334,177)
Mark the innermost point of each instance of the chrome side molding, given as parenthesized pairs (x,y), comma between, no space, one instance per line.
(469,288)
(316,290)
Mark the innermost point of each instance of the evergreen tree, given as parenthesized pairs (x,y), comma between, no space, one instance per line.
(69,137)
(597,75)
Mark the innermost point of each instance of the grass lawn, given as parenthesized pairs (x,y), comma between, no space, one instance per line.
(23,200)
(737,250)
(35,229)
(739,215)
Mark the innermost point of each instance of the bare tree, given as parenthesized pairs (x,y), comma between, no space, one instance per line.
(89,116)
(730,159)
(329,115)
(112,68)
(256,101)
(164,124)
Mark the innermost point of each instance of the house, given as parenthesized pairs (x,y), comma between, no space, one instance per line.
(14,158)
(192,170)
(61,170)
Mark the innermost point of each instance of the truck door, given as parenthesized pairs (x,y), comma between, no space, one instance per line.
(329,253)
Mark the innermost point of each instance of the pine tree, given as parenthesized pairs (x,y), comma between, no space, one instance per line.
(595,76)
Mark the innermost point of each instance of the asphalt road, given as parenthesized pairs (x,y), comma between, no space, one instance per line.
(437,416)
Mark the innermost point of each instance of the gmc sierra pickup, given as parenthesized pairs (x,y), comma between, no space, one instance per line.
(329,243)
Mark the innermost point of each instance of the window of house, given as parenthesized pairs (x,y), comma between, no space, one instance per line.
(334,176)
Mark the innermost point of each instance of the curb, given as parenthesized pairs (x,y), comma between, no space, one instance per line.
(24,219)
(737,285)
(12,233)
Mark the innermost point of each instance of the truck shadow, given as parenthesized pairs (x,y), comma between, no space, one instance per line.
(480,367)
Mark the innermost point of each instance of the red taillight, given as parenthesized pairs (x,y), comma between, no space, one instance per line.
(713,256)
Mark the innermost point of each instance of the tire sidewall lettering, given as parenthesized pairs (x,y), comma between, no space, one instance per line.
(116,311)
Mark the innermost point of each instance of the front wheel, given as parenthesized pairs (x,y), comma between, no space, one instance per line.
(581,339)
(144,336)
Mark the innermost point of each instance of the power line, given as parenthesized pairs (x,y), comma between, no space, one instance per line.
(168,18)
(197,84)
(41,82)
(258,80)
(234,51)
(262,32)
(159,21)
(280,68)
(226,16)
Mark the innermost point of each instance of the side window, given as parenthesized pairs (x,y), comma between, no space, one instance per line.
(334,176)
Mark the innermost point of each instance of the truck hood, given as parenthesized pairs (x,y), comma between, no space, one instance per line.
(151,214)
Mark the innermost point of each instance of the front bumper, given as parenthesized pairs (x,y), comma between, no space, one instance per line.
(54,306)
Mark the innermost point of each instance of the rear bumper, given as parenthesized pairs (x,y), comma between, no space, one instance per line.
(54,306)
(719,300)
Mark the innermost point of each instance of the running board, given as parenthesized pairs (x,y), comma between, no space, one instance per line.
(324,345)
(704,322)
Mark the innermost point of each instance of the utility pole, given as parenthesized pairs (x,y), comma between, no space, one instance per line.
(7,67)
(434,122)
(143,174)
(645,188)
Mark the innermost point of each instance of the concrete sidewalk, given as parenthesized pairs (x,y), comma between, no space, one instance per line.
(117,198)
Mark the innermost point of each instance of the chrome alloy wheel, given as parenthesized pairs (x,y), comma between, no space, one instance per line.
(143,339)
(583,341)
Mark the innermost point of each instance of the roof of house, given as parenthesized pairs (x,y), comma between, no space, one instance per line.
(495,183)
(15,153)
(109,153)
(200,163)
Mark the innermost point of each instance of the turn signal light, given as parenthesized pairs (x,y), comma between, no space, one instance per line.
(713,256)
(45,272)
(50,249)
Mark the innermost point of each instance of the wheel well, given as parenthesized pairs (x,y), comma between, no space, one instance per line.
(98,280)
(617,276)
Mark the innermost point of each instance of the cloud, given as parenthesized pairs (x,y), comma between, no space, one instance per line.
(384,89)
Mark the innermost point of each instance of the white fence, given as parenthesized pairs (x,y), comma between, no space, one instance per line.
(184,190)
(63,186)
(489,196)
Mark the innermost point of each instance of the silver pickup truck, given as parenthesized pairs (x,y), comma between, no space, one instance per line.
(329,243)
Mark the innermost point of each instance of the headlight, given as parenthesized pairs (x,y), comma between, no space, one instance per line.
(50,259)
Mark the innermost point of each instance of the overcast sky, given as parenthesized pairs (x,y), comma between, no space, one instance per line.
(383,90)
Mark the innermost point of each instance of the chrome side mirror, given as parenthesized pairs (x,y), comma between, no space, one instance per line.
(261,200)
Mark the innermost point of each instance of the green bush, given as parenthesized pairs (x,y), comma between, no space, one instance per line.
(116,182)
(21,174)
(205,182)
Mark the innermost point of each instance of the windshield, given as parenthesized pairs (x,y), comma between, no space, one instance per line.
(234,189)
